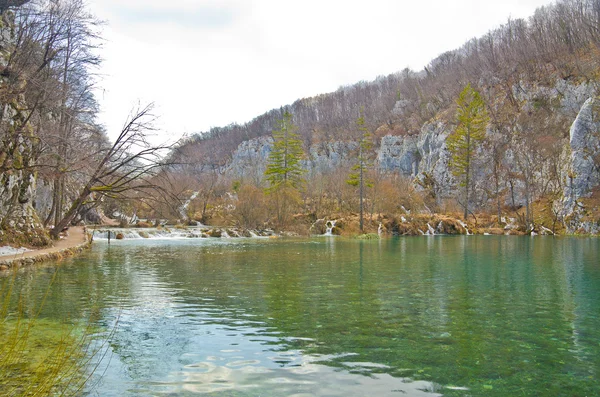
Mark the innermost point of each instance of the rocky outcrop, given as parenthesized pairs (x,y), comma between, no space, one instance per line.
(327,156)
(18,220)
(582,173)
(435,157)
(399,153)
(584,167)
(409,155)
(249,160)
(423,156)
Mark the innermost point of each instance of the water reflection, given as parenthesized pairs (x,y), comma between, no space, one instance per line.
(491,315)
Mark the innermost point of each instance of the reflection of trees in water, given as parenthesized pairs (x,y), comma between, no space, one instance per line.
(469,311)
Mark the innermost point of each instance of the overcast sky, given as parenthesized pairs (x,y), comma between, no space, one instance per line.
(208,63)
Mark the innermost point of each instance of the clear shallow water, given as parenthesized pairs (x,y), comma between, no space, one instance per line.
(456,316)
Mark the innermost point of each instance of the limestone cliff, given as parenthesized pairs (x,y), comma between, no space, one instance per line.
(526,166)
(582,171)
(18,220)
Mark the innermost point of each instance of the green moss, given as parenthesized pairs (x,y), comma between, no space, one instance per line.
(368,236)
(39,357)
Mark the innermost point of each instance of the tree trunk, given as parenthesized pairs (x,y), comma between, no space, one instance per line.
(361,192)
(467,176)
(70,215)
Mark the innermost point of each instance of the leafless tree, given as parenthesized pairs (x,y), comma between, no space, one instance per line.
(128,168)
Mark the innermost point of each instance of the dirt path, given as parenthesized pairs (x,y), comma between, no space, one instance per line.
(74,240)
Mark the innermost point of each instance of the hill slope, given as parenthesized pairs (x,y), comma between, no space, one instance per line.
(534,75)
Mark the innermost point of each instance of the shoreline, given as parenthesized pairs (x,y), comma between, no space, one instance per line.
(77,241)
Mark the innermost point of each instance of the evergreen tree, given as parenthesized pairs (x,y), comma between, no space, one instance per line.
(284,168)
(463,143)
(363,162)
(284,171)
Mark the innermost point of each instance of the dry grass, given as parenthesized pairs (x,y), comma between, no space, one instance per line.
(591,207)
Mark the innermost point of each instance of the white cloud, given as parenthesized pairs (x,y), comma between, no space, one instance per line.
(212,62)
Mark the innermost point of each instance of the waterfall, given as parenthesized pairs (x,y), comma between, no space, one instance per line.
(548,231)
(465,226)
(430,230)
(329,225)
(184,207)
(380,229)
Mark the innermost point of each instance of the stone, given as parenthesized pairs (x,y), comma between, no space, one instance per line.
(319,227)
(399,153)
(582,175)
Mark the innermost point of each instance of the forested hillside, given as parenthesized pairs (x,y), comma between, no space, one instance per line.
(559,42)
(533,76)
(502,132)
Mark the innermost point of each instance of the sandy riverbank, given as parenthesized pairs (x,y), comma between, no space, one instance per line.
(76,241)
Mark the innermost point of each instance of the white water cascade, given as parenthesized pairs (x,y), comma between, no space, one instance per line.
(329,228)
(465,226)
(430,230)
(177,233)
(184,207)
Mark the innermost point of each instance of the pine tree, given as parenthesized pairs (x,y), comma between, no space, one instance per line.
(463,143)
(363,162)
(284,168)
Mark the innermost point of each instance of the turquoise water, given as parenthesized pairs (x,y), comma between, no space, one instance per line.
(418,316)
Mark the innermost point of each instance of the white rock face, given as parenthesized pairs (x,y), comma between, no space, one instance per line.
(251,157)
(328,156)
(582,171)
(399,153)
(435,156)
(409,155)
(18,220)
(584,168)
(570,97)
(249,161)
(425,156)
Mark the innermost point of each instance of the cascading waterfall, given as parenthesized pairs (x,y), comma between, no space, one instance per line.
(184,207)
(465,226)
(329,228)
(430,230)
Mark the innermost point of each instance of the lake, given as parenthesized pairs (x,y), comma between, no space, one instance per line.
(415,316)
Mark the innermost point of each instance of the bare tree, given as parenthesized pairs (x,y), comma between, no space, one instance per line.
(128,168)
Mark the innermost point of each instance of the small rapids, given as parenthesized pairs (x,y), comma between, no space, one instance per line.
(177,233)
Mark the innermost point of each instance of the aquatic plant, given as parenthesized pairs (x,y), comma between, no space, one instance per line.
(41,357)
